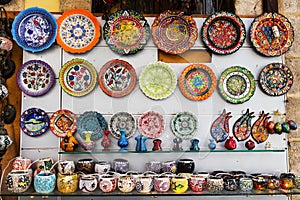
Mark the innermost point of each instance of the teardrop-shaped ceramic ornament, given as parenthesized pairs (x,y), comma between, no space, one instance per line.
(259,130)
(220,127)
(242,126)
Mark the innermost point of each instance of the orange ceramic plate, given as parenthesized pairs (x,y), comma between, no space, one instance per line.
(78,31)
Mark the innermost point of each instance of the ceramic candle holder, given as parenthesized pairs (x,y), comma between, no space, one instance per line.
(66,166)
(107,183)
(102,167)
(21,163)
(44,182)
(245,184)
(179,184)
(18,181)
(197,183)
(169,166)
(185,166)
(120,165)
(161,183)
(88,183)
(67,182)
(86,165)
(215,184)
(144,184)
(153,166)
(126,183)
(287,180)
(44,164)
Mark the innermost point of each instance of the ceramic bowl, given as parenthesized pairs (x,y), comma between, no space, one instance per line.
(44,182)
(120,165)
(86,165)
(185,166)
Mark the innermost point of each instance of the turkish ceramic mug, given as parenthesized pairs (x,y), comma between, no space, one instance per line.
(185,166)
(44,182)
(88,183)
(153,166)
(246,184)
(102,167)
(134,175)
(67,182)
(86,165)
(107,183)
(161,183)
(21,163)
(169,166)
(18,181)
(179,184)
(44,164)
(126,183)
(215,184)
(197,183)
(120,165)
(144,184)
(66,166)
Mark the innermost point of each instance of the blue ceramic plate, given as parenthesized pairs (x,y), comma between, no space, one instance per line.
(34,29)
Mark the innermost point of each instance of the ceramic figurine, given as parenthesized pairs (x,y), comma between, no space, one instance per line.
(292,124)
(88,144)
(106,142)
(259,129)
(177,144)
(285,127)
(123,141)
(242,127)
(194,145)
(250,144)
(157,145)
(212,145)
(140,143)
(230,143)
(220,127)
(69,143)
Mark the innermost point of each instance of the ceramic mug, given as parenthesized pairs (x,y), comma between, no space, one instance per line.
(18,181)
(179,184)
(66,166)
(44,182)
(246,184)
(215,184)
(102,167)
(153,166)
(197,183)
(134,175)
(86,165)
(88,183)
(161,183)
(44,164)
(107,183)
(169,166)
(126,183)
(21,163)
(144,184)
(67,182)
(120,165)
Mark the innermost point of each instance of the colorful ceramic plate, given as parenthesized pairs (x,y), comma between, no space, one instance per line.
(61,122)
(34,29)
(223,32)
(91,121)
(271,34)
(34,122)
(173,32)
(237,84)
(122,121)
(126,32)
(117,78)
(78,77)
(197,82)
(158,80)
(78,31)
(184,125)
(276,79)
(35,78)
(151,124)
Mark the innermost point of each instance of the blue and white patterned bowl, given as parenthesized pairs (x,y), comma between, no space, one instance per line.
(44,182)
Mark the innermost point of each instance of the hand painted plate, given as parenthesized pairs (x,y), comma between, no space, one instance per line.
(271,34)
(35,78)
(34,29)
(184,125)
(117,78)
(91,121)
(122,120)
(223,33)
(126,32)
(276,79)
(173,32)
(34,122)
(237,84)
(151,124)
(78,77)
(197,82)
(158,80)
(62,121)
(78,31)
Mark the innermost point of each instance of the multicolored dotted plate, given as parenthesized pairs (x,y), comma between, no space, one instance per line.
(151,124)
(122,121)
(236,85)
(184,125)
(63,121)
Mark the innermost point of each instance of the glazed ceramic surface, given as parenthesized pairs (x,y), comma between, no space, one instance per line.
(173,32)
(179,184)
(271,34)
(88,183)
(122,121)
(18,181)
(44,182)
(151,124)
(108,183)
(67,182)
(77,77)
(126,183)
(223,32)
(126,32)
(184,125)
(237,84)
(78,31)
(35,78)
(197,82)
(219,129)
(34,29)
(21,163)
(158,80)
(117,78)
(62,121)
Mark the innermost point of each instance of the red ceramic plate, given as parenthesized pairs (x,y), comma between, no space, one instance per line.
(61,122)
(151,124)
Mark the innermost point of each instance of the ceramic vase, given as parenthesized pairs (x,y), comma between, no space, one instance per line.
(157,145)
(212,145)
(177,144)
(140,143)
(194,145)
(106,142)
(123,141)
(69,143)
(88,144)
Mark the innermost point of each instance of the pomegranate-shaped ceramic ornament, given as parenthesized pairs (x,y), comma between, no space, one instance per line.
(292,124)
(278,128)
(259,129)
(250,144)
(270,127)
(285,127)
(220,127)
(242,127)
(230,143)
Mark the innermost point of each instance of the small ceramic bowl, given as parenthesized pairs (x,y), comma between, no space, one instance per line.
(102,167)
(185,166)
(44,182)
(120,165)
(86,165)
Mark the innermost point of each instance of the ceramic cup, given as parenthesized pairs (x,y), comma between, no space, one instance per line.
(297,182)
(66,166)
(153,166)
(102,167)
(185,166)
(260,182)
(21,163)
(44,182)
(287,180)
(18,181)
(197,183)
(215,184)
(245,184)
(273,182)
(169,166)
(86,165)
(107,183)
(67,182)
(161,183)
(134,175)
(44,164)
(88,183)
(144,184)
(230,183)
(126,183)
(179,184)
(120,165)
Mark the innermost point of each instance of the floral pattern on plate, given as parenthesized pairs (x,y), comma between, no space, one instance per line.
(151,124)
(35,78)
(117,78)
(78,31)
(237,85)
(184,125)
(197,82)
(122,121)
(78,77)
(276,79)
(34,29)
(271,34)
(126,32)
(62,121)
(173,32)
(34,122)
(158,80)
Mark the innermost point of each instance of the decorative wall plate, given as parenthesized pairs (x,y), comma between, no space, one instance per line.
(34,29)
(173,32)
(122,120)
(35,78)
(78,77)
(34,122)
(117,78)
(151,124)
(126,32)
(184,125)
(78,31)
(223,32)
(197,82)
(237,84)
(91,121)
(158,80)
(62,121)
(271,34)
(276,79)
